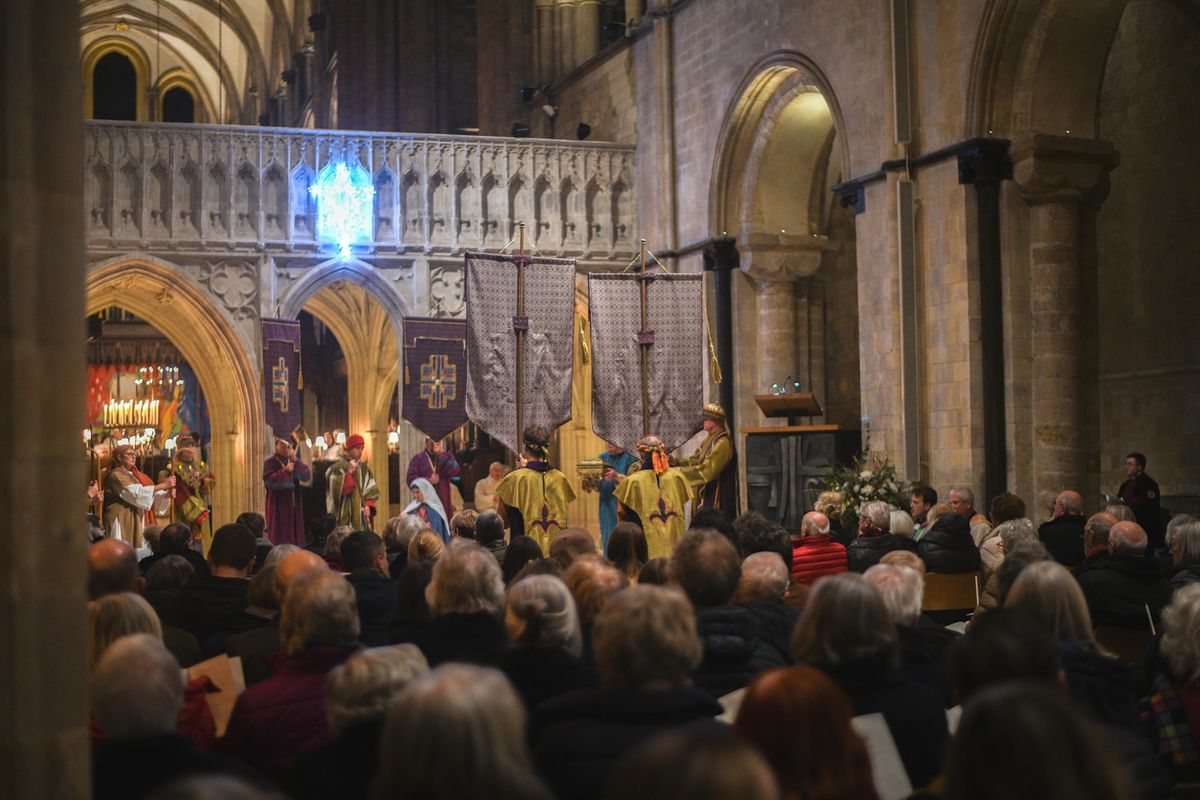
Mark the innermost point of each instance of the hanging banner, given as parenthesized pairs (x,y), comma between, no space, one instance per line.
(675,337)
(493,322)
(281,372)
(435,373)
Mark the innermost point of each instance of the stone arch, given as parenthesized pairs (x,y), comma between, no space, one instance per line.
(354,271)
(157,292)
(137,56)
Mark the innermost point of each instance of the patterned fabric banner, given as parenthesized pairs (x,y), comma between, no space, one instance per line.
(435,373)
(675,319)
(281,371)
(492,322)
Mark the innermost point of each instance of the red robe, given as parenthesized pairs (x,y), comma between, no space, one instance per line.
(285,508)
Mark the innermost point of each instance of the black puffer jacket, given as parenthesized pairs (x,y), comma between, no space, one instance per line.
(948,547)
(738,644)
(865,551)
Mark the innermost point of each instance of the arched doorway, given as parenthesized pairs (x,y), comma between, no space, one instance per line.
(156,292)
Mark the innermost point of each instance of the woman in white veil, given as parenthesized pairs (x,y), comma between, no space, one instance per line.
(428,506)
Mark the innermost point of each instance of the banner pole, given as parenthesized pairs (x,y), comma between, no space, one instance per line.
(520,339)
(644,347)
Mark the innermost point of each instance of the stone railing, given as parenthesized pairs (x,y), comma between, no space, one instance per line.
(206,187)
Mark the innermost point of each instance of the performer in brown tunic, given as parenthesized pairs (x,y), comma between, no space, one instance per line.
(128,495)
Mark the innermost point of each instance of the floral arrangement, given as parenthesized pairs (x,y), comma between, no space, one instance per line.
(868,477)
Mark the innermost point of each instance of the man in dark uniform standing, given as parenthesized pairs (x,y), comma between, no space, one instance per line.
(1140,493)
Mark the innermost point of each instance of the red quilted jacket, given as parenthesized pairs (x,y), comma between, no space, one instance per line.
(816,556)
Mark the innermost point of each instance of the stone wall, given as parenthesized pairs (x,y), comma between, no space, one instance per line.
(602,93)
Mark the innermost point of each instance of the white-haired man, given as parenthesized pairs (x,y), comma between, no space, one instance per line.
(1063,532)
(1122,587)
(874,537)
(962,501)
(815,553)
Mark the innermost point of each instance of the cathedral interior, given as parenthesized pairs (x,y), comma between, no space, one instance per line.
(966,228)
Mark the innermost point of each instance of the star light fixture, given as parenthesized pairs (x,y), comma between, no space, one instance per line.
(344,198)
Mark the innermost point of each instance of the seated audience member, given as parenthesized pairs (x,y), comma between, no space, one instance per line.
(936,511)
(873,537)
(281,719)
(646,645)
(847,634)
(738,641)
(521,550)
(364,557)
(1063,532)
(412,618)
(397,536)
(904,558)
(901,524)
(947,548)
(757,534)
(1173,704)
(923,643)
(1020,549)
(569,545)
(278,553)
(427,545)
(654,572)
(1050,751)
(628,549)
(832,505)
(1122,512)
(210,606)
(333,546)
(130,614)
(800,720)
(117,615)
(921,499)
(457,733)
(175,540)
(764,579)
(543,626)
(257,524)
(815,553)
(136,694)
(1095,540)
(1100,685)
(592,580)
(150,544)
(706,763)
(358,694)
(466,600)
(1004,508)
(540,566)
(962,501)
(165,580)
(1120,589)
(489,532)
(1183,542)
(462,524)
(715,520)
(112,568)
(262,600)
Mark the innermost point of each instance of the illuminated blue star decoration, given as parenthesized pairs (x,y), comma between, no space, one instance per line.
(344,198)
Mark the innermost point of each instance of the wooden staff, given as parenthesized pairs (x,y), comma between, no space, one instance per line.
(644,342)
(520,331)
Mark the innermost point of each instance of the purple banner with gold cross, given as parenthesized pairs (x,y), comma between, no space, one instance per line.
(435,375)
(281,373)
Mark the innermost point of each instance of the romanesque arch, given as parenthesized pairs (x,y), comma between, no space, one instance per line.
(158,292)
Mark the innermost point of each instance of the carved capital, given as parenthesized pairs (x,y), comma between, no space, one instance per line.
(783,257)
(1061,168)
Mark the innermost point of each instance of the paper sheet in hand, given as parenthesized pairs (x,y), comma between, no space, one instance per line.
(226,674)
(891,780)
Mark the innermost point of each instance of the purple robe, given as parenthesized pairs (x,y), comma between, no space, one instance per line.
(421,466)
(285,508)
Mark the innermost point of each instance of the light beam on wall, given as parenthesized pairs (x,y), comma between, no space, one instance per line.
(344,198)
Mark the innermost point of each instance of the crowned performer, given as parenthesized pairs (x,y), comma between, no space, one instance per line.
(437,466)
(427,506)
(283,474)
(128,495)
(654,497)
(351,492)
(193,486)
(534,498)
(712,470)
(619,463)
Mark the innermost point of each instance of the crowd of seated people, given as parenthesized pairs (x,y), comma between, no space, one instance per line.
(752,662)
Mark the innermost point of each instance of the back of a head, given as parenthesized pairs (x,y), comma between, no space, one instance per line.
(263,591)
(757,534)
(545,608)
(466,580)
(711,519)
(904,558)
(278,553)
(1122,512)
(1049,593)
(901,523)
(627,548)
(489,528)
(706,566)
(426,546)
(295,564)
(150,535)
(830,504)
(360,549)
(256,522)
(233,546)
(400,531)
(570,545)
(1005,507)
(845,620)
(112,568)
(333,542)
(592,580)
(801,721)
(1049,749)
(901,588)
(364,685)
(1017,531)
(1127,539)
(1186,537)
(319,610)
(814,523)
(169,572)
(1180,644)
(538,566)
(462,524)
(645,636)
(213,787)
(938,510)
(1005,645)
(521,550)
(115,616)
(174,538)
(1070,501)
(877,514)
(654,572)
(136,688)
(704,763)
(456,732)
(764,579)
(1015,561)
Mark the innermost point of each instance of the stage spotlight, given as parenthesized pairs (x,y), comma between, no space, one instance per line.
(520,130)
(583,131)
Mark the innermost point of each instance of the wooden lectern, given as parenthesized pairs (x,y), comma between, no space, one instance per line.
(800,404)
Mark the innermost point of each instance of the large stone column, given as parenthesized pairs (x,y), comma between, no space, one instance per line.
(545,25)
(44,748)
(587,29)
(564,26)
(1056,175)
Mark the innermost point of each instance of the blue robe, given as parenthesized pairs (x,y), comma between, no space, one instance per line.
(608,501)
